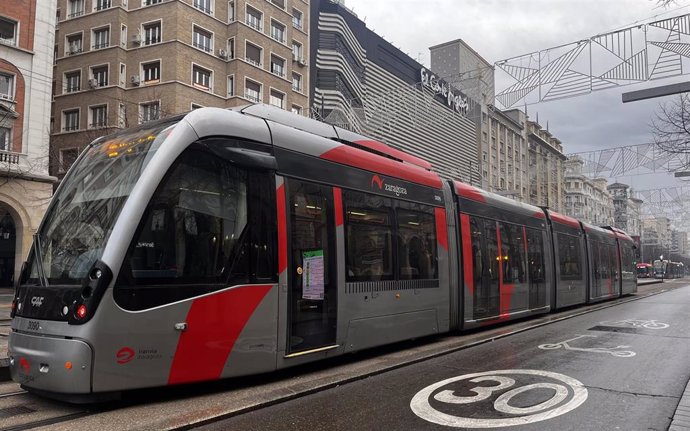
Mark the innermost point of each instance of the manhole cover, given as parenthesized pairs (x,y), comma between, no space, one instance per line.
(14,411)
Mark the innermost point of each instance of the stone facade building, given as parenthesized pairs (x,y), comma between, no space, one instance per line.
(27,30)
(586,199)
(627,209)
(120,63)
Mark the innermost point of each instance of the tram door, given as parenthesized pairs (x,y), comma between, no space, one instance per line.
(311,273)
(485,263)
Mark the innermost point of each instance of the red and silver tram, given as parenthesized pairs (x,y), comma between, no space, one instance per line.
(231,242)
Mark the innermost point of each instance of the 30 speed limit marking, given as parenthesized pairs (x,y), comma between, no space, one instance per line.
(504,398)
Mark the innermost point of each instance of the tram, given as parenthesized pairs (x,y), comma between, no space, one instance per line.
(231,242)
(645,270)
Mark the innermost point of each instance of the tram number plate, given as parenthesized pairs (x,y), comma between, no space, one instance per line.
(33,325)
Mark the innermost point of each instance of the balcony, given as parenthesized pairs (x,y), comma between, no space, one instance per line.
(9,157)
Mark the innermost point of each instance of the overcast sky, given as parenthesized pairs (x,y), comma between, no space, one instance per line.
(501,29)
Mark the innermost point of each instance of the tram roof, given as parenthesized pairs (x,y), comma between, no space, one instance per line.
(300,122)
(478,195)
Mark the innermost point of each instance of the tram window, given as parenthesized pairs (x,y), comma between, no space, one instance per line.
(512,254)
(476,226)
(570,258)
(492,251)
(535,256)
(195,232)
(416,241)
(194,223)
(368,237)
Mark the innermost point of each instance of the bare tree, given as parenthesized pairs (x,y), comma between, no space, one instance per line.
(671,128)
(666,3)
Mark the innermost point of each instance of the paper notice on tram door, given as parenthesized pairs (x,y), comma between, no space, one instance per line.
(313,276)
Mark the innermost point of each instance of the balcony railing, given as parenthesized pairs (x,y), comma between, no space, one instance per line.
(201,46)
(9,157)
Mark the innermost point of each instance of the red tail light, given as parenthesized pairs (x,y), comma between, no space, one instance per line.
(81,311)
(13,310)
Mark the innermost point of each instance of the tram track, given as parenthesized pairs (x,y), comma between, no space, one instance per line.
(47,422)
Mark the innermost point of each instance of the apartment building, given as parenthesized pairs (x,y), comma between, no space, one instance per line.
(545,168)
(586,199)
(27,29)
(119,63)
(627,209)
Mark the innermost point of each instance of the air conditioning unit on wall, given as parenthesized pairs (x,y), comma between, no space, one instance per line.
(93,83)
(222,54)
(135,80)
(136,39)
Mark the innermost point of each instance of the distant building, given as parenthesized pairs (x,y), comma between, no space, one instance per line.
(121,63)
(679,242)
(545,168)
(27,32)
(656,238)
(627,209)
(363,83)
(586,199)
(516,157)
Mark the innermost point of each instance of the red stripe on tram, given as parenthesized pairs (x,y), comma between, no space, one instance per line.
(214,323)
(338,205)
(441,228)
(282,229)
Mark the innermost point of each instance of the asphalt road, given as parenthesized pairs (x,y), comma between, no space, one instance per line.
(623,367)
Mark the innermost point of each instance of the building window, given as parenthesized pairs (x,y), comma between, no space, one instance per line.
(277,99)
(6,86)
(152,33)
(231,11)
(70,120)
(253,54)
(231,48)
(231,85)
(122,116)
(296,109)
(67,158)
(123,36)
(297,19)
(74,44)
(75,7)
(296,82)
(123,74)
(203,5)
(101,38)
(252,91)
(279,3)
(72,81)
(100,74)
(99,116)
(201,77)
(151,2)
(202,39)
(149,111)
(296,50)
(151,72)
(8,31)
(277,66)
(102,4)
(278,31)
(5,138)
(253,18)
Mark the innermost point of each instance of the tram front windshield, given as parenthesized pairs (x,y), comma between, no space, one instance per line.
(85,208)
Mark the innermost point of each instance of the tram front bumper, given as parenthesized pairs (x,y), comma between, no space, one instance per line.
(50,364)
